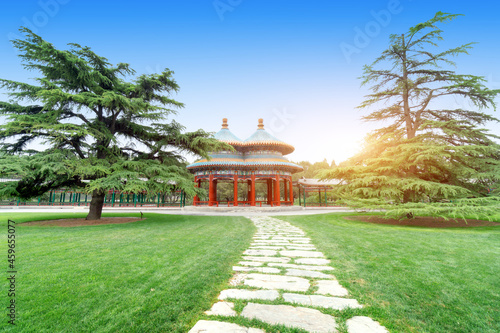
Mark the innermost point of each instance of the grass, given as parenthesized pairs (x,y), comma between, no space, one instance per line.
(155,275)
(414,279)
(160,274)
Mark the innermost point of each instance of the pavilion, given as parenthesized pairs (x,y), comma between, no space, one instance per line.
(258,159)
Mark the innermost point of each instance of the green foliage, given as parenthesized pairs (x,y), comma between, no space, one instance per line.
(100,131)
(311,169)
(427,153)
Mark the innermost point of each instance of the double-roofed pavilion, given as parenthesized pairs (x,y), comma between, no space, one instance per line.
(258,159)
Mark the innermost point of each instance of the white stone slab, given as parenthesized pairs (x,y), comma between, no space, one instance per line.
(268,259)
(306,267)
(306,273)
(298,253)
(269,295)
(300,242)
(312,261)
(308,319)
(361,324)
(237,279)
(266,247)
(335,303)
(308,248)
(295,239)
(250,263)
(212,326)
(331,287)
(269,241)
(265,281)
(271,270)
(222,309)
(260,253)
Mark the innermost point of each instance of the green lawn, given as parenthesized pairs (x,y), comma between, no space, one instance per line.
(414,279)
(160,274)
(155,275)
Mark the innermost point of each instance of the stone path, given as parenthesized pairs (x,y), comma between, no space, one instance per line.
(283,266)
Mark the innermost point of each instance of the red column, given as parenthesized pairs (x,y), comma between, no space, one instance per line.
(252,191)
(235,190)
(277,194)
(211,190)
(291,190)
(269,192)
(249,188)
(285,190)
(215,191)
(197,184)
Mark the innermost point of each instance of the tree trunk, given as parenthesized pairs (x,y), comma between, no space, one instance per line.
(410,130)
(96,204)
(408,197)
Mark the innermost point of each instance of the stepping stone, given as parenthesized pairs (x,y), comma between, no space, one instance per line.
(283,260)
(335,303)
(311,274)
(301,248)
(250,263)
(306,267)
(269,295)
(270,241)
(271,244)
(237,279)
(291,238)
(260,253)
(276,282)
(308,319)
(257,269)
(360,324)
(210,326)
(312,261)
(296,253)
(266,247)
(331,287)
(222,309)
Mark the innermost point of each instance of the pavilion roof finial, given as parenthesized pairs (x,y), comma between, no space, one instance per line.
(261,124)
(224,123)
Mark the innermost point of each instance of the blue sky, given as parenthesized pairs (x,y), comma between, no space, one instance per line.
(247,59)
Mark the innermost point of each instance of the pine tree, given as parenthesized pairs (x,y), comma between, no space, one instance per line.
(100,131)
(427,153)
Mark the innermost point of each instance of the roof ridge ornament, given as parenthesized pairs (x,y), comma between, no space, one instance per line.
(261,124)
(224,123)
